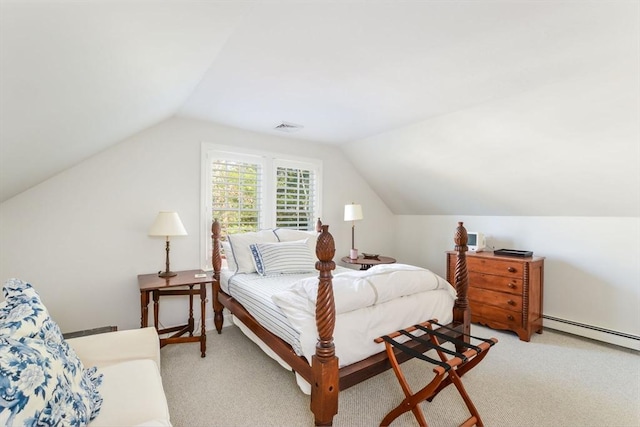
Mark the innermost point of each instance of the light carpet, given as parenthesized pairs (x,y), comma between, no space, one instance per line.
(555,380)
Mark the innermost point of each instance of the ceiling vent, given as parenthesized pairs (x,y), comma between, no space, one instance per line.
(288,127)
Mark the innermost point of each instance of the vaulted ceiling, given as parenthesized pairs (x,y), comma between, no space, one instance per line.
(78,77)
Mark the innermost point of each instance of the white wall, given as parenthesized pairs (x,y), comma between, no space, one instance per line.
(81,237)
(553,169)
(592,265)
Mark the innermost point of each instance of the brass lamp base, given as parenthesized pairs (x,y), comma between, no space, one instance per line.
(167,274)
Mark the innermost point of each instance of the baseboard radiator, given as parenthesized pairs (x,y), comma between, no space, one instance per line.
(594,332)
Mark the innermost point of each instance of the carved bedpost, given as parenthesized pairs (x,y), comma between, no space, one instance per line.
(324,364)
(216,260)
(461,312)
(319,225)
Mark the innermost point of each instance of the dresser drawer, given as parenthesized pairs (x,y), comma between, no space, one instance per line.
(495,283)
(496,299)
(480,312)
(496,266)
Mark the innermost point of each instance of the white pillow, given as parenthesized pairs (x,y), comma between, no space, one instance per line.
(282,257)
(228,253)
(240,248)
(290,235)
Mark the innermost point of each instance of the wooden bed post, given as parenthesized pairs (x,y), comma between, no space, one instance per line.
(461,311)
(216,260)
(324,364)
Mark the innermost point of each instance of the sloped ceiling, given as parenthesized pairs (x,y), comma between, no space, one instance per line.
(77,77)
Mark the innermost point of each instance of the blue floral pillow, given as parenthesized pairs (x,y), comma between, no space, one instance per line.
(42,380)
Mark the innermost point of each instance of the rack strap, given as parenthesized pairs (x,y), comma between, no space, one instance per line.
(447,371)
(458,342)
(416,353)
(430,344)
(447,327)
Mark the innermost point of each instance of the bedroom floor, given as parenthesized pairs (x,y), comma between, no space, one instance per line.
(556,379)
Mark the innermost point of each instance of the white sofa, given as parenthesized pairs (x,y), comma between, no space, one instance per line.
(110,379)
(131,387)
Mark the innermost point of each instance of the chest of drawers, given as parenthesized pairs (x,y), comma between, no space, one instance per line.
(504,292)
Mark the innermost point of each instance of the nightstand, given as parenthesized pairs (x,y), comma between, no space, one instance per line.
(191,282)
(367,263)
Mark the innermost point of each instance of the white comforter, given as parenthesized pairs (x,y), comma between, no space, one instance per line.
(369,304)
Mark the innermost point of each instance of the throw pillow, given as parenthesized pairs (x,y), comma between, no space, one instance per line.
(240,247)
(35,389)
(228,253)
(283,257)
(56,389)
(290,235)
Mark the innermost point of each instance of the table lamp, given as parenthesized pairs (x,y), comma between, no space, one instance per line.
(353,213)
(167,224)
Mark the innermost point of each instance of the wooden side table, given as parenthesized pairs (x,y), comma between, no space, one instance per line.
(184,283)
(367,263)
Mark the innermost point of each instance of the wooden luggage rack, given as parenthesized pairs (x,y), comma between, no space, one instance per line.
(464,358)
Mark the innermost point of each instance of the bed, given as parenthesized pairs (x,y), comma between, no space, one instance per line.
(307,333)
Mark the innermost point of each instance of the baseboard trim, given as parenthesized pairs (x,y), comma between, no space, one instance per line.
(593,332)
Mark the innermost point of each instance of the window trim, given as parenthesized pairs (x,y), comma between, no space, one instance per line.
(269,160)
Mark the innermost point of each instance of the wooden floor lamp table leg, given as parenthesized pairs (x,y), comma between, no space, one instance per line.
(178,332)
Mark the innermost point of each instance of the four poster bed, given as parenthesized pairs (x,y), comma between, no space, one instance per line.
(325,371)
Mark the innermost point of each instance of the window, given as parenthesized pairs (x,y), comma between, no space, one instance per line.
(235,193)
(295,200)
(248,191)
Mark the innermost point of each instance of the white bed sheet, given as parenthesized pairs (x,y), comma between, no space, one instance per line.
(254,292)
(355,330)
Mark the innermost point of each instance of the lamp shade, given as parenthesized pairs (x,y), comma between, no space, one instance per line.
(167,224)
(352,212)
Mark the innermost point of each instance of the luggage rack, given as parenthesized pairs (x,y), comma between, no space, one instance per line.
(447,370)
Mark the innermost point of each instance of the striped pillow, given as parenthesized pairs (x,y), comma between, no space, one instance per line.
(282,257)
(240,247)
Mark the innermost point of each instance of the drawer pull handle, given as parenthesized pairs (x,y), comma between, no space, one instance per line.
(512,285)
(511,270)
(511,302)
(510,317)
